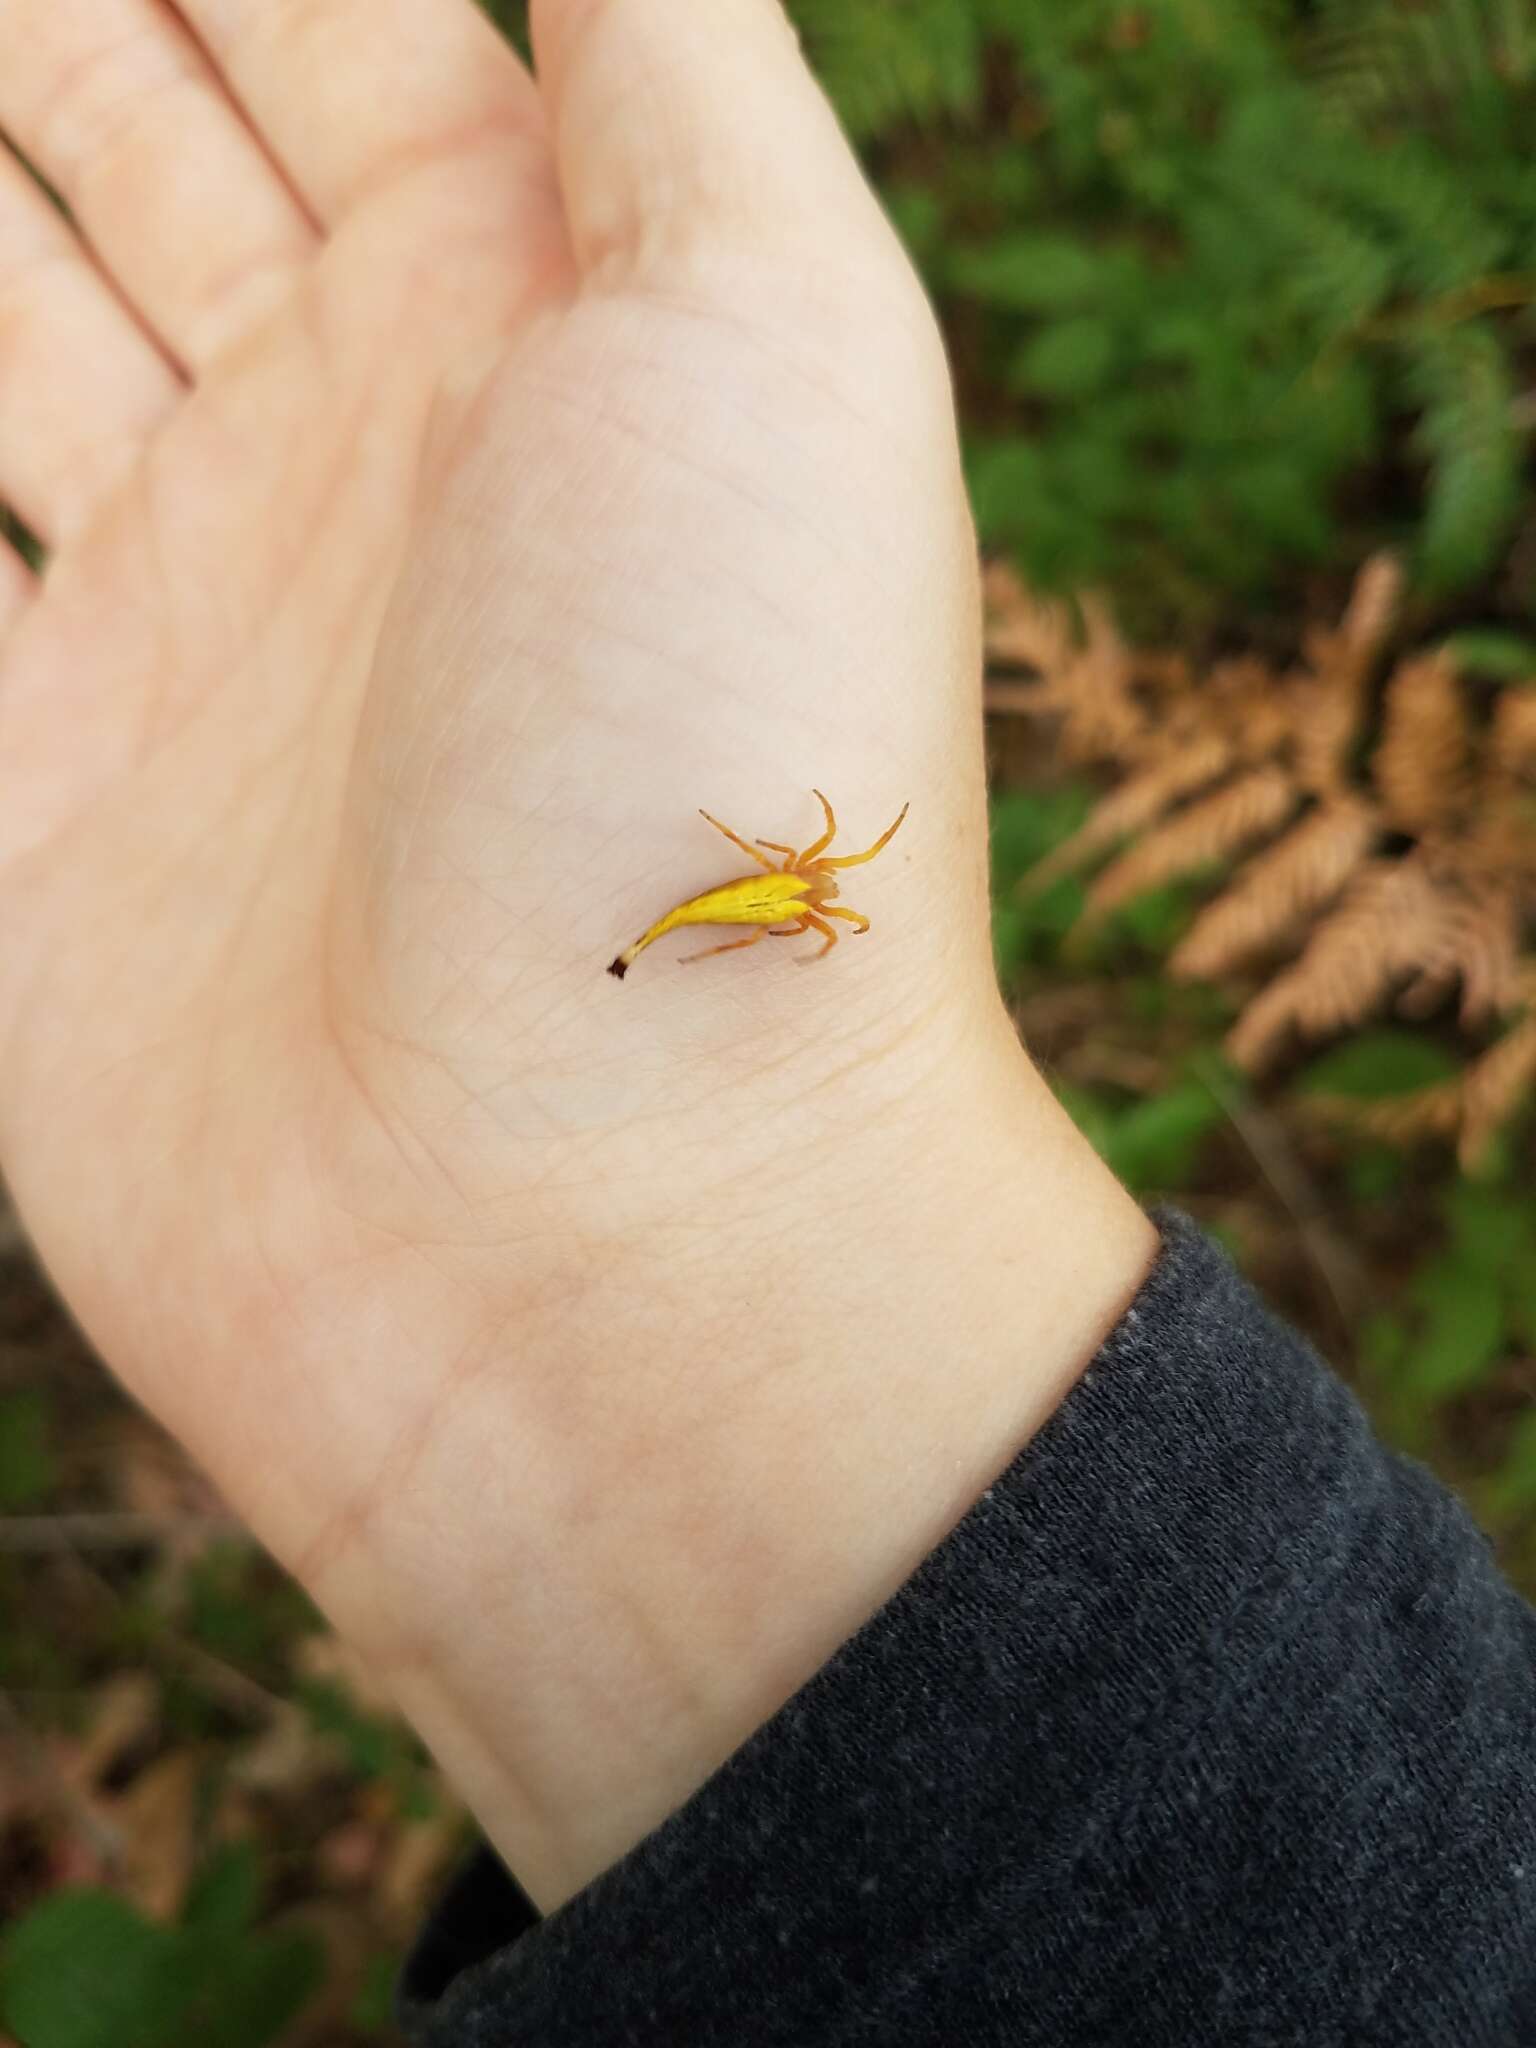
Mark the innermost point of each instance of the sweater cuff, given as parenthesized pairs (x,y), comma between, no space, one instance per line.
(987,1761)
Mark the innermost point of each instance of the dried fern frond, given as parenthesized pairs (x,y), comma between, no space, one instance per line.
(1326,700)
(1137,803)
(1372,610)
(1023,630)
(1087,680)
(1393,918)
(1211,767)
(1206,831)
(1422,761)
(1479,949)
(1434,1112)
(1278,890)
(1512,736)
(1494,1087)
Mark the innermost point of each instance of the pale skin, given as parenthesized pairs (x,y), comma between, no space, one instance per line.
(451,481)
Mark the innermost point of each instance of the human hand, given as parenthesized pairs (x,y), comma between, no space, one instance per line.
(451,484)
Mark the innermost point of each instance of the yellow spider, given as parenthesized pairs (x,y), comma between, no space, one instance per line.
(796,895)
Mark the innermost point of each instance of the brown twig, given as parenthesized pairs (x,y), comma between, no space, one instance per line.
(109,1530)
(1271,1152)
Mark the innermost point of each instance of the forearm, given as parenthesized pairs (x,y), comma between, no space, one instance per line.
(665,1492)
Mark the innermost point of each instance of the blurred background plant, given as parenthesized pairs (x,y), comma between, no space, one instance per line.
(1240,302)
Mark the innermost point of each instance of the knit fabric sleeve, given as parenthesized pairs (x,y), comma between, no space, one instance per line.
(1210,1723)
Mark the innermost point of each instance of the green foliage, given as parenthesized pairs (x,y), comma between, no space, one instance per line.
(375,1746)
(26,1454)
(1464,1307)
(239,1608)
(1466,386)
(1494,652)
(84,1970)
(889,61)
(1215,270)
(1512,1489)
(1376,1064)
(1026,824)
(1152,1143)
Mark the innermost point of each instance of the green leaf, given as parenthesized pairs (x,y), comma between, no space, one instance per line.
(1029,272)
(1374,1065)
(1070,359)
(1157,919)
(27,1470)
(226,1894)
(1091,1112)
(1494,652)
(251,1991)
(1374,1173)
(84,1970)
(1027,823)
(1466,385)
(1464,1331)
(917,214)
(1154,1144)
(1512,1488)
(374,2006)
(1494,1231)
(883,62)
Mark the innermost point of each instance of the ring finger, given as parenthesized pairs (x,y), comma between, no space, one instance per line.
(118,108)
(81,388)
(16,586)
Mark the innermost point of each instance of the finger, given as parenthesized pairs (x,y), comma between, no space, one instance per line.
(81,388)
(117,107)
(352,94)
(17,586)
(674,121)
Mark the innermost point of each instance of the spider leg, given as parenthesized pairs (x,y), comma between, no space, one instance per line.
(736,840)
(856,917)
(829,932)
(773,846)
(826,838)
(790,931)
(730,946)
(853,860)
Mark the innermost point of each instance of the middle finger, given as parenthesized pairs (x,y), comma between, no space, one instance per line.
(118,108)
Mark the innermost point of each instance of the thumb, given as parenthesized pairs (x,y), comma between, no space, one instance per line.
(681,121)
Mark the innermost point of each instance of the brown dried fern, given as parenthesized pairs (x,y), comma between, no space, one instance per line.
(1215,765)
(1392,919)
(1422,763)
(1278,890)
(1493,1088)
(1086,679)
(1139,802)
(1198,836)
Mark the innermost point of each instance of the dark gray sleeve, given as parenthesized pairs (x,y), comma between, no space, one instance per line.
(1210,1724)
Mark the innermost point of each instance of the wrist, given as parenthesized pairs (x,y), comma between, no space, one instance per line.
(665,1495)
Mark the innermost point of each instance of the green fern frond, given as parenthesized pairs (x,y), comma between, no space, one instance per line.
(886,62)
(1379,59)
(1461,378)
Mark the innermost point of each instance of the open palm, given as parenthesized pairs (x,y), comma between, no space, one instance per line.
(450,484)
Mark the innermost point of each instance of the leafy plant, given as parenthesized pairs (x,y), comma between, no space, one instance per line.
(26,1453)
(1464,1307)
(84,1969)
(1212,269)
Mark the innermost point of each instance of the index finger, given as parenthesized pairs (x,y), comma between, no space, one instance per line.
(349,95)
